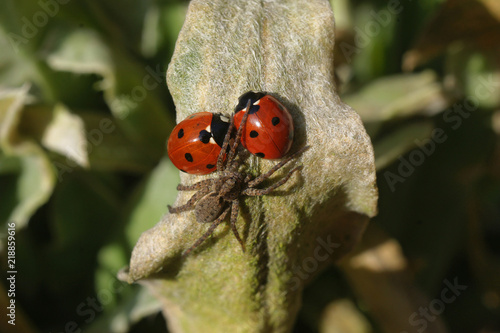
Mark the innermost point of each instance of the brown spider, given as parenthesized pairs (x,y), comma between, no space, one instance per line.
(215,197)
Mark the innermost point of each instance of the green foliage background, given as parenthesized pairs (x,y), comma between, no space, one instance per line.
(85,113)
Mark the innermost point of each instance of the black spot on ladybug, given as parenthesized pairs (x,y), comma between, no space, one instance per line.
(254,134)
(180,134)
(210,166)
(260,155)
(204,136)
(275,121)
(188,157)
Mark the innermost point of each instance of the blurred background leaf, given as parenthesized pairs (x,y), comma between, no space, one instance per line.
(84,116)
(85,112)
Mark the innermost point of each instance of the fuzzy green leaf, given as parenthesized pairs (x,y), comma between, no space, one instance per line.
(285,48)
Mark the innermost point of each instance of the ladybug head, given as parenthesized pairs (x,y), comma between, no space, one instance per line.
(250,95)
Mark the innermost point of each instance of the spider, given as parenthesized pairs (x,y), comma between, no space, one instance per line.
(216,197)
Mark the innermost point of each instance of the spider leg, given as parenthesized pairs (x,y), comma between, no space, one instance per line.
(220,159)
(190,203)
(256,191)
(195,186)
(208,232)
(232,152)
(235,207)
(266,175)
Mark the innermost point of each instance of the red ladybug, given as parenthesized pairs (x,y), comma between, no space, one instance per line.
(268,132)
(195,143)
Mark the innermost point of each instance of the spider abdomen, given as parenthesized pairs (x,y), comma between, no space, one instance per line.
(209,208)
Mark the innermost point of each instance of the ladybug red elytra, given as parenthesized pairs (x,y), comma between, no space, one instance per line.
(195,143)
(268,132)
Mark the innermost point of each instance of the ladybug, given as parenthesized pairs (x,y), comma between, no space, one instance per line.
(195,143)
(268,132)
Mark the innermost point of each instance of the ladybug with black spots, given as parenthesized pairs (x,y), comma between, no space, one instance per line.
(195,143)
(268,132)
